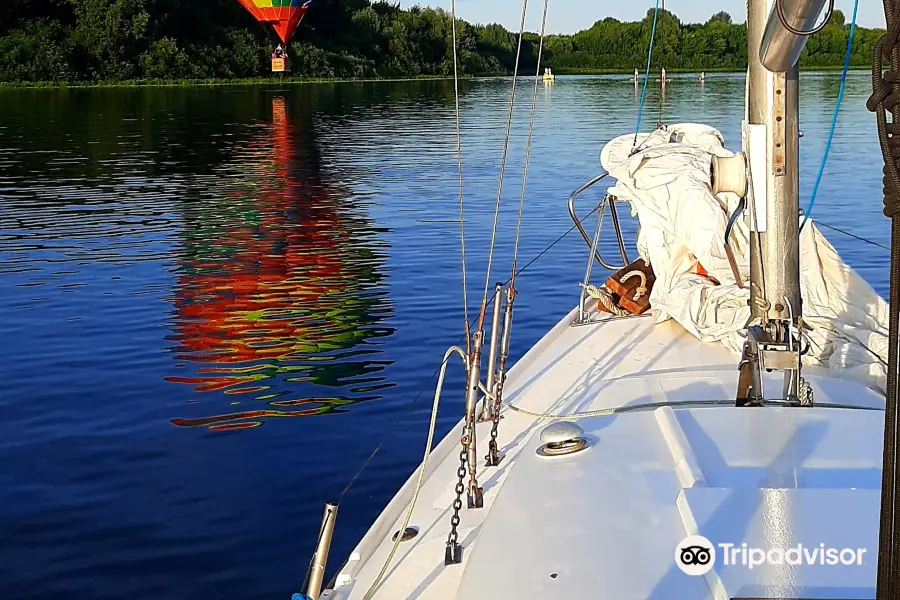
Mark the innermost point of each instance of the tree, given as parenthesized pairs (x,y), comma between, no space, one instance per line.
(111,34)
(107,40)
(722,17)
(838,18)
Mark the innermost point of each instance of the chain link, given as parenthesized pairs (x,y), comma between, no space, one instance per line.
(493,456)
(453,538)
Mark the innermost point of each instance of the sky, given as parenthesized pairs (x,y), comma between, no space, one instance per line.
(569,16)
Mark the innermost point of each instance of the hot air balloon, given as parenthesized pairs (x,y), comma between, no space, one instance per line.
(284,15)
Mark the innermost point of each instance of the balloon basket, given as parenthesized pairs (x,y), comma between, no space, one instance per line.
(281,65)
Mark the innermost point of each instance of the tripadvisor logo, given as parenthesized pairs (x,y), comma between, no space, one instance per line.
(696,555)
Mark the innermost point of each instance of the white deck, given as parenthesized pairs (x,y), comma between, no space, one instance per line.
(604,523)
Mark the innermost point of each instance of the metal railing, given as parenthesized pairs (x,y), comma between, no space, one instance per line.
(594,243)
(607,200)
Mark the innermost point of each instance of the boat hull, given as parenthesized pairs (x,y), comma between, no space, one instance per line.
(679,460)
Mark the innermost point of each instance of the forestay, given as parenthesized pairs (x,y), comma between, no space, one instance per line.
(682,234)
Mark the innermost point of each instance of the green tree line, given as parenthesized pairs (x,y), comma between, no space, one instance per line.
(115,40)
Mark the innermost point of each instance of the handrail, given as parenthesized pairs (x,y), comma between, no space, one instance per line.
(615,217)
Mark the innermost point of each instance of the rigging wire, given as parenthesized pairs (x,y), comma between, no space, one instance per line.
(409,408)
(662,86)
(834,118)
(528,146)
(853,235)
(637,128)
(462,220)
(512,103)
(662,98)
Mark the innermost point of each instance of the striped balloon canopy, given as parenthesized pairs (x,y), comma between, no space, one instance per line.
(284,15)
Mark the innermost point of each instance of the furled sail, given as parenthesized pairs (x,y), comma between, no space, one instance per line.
(682,228)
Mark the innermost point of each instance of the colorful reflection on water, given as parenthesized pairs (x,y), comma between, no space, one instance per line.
(278,288)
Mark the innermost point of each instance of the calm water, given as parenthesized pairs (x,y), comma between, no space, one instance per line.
(217,302)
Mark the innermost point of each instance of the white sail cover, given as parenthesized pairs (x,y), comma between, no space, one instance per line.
(682,226)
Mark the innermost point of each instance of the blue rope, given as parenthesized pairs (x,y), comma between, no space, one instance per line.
(637,127)
(837,108)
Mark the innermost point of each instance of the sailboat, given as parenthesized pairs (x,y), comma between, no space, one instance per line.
(707,424)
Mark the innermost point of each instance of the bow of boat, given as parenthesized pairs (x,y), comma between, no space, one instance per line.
(675,458)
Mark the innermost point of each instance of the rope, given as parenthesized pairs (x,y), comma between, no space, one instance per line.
(512,103)
(837,109)
(604,297)
(886,97)
(428,444)
(605,412)
(462,220)
(642,288)
(637,127)
(537,76)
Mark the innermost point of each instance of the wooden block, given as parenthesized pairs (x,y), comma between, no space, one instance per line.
(633,285)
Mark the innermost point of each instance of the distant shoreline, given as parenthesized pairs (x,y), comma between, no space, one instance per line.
(656,70)
(249,82)
(252,82)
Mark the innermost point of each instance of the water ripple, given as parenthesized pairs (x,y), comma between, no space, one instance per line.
(218,300)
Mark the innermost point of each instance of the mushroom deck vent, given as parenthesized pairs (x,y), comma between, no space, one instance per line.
(561,439)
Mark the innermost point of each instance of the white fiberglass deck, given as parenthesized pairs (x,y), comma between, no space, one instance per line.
(604,523)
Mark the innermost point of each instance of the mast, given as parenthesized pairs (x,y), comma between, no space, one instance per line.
(772,152)
(774,102)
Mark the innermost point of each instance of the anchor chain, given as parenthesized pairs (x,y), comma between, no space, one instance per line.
(493,456)
(453,554)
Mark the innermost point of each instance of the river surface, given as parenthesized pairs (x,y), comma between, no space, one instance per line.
(217,302)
